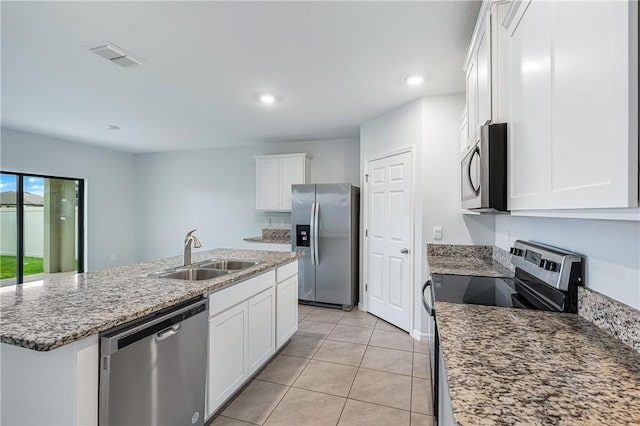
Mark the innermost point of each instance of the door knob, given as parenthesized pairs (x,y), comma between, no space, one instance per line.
(404,251)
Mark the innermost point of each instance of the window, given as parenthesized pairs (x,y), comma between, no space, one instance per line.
(42,227)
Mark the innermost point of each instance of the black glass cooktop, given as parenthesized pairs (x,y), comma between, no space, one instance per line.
(491,291)
(473,290)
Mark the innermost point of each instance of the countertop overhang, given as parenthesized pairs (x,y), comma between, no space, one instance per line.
(47,314)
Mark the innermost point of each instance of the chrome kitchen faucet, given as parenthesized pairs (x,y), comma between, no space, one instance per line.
(188,239)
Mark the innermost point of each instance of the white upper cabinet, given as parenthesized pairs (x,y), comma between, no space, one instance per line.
(530,123)
(483,64)
(478,76)
(472,104)
(573,140)
(274,176)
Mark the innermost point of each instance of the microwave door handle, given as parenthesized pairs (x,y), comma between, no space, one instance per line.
(475,190)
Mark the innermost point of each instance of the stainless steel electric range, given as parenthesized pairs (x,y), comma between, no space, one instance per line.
(546,278)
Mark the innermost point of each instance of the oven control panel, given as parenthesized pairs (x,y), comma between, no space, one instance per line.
(549,264)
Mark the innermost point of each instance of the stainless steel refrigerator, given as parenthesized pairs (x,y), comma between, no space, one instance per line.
(325,226)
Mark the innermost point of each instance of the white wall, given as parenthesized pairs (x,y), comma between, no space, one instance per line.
(397,130)
(441,174)
(109,188)
(214,190)
(431,127)
(611,248)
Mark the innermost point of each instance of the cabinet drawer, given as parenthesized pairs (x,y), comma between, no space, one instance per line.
(286,271)
(231,296)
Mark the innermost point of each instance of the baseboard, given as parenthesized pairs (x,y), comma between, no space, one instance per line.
(417,335)
(360,308)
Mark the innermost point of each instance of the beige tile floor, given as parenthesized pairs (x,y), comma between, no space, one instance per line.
(340,368)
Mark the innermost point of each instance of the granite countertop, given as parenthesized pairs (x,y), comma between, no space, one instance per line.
(272,236)
(453,265)
(47,314)
(260,239)
(466,260)
(516,366)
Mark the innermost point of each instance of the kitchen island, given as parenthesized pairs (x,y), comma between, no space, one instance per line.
(49,329)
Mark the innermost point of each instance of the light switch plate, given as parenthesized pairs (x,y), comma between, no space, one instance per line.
(437,232)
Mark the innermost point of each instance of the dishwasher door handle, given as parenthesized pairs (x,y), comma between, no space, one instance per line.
(168,332)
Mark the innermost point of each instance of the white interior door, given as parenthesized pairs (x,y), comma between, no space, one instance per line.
(389,223)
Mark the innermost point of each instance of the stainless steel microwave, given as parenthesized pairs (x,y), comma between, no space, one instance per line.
(484,171)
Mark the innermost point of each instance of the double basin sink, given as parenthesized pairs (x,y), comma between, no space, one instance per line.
(206,270)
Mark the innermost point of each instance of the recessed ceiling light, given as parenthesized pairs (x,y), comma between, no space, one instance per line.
(112,127)
(414,80)
(267,98)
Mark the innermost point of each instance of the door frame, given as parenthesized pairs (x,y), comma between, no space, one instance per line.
(365,220)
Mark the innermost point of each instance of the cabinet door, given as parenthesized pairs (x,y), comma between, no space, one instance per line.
(228,343)
(291,173)
(286,310)
(268,184)
(472,102)
(590,150)
(530,127)
(483,64)
(261,328)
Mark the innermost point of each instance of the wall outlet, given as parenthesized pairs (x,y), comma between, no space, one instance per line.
(437,232)
(113,257)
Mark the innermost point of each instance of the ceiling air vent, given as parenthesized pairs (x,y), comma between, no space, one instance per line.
(116,55)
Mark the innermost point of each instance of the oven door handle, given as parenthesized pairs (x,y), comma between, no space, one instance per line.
(426,305)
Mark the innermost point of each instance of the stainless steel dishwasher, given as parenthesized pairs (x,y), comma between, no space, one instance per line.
(153,370)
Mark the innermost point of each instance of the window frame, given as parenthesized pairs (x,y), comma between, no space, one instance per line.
(20,219)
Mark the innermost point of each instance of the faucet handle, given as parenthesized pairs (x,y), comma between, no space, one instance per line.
(196,242)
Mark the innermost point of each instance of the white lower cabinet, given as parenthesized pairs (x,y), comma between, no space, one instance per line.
(243,332)
(261,329)
(228,355)
(287,311)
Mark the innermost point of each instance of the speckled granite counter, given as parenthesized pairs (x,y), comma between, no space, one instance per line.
(516,366)
(44,315)
(259,239)
(272,236)
(466,260)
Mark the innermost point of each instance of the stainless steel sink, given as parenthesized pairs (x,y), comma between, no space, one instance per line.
(193,274)
(205,270)
(227,264)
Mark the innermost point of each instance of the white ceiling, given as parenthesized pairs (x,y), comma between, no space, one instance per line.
(335,65)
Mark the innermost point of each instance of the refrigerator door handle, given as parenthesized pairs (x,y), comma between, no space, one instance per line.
(312,236)
(315,233)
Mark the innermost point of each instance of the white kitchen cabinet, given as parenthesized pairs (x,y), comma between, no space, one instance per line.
(530,124)
(268,184)
(287,310)
(243,330)
(573,141)
(464,133)
(478,77)
(261,329)
(483,72)
(228,355)
(274,176)
(472,103)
